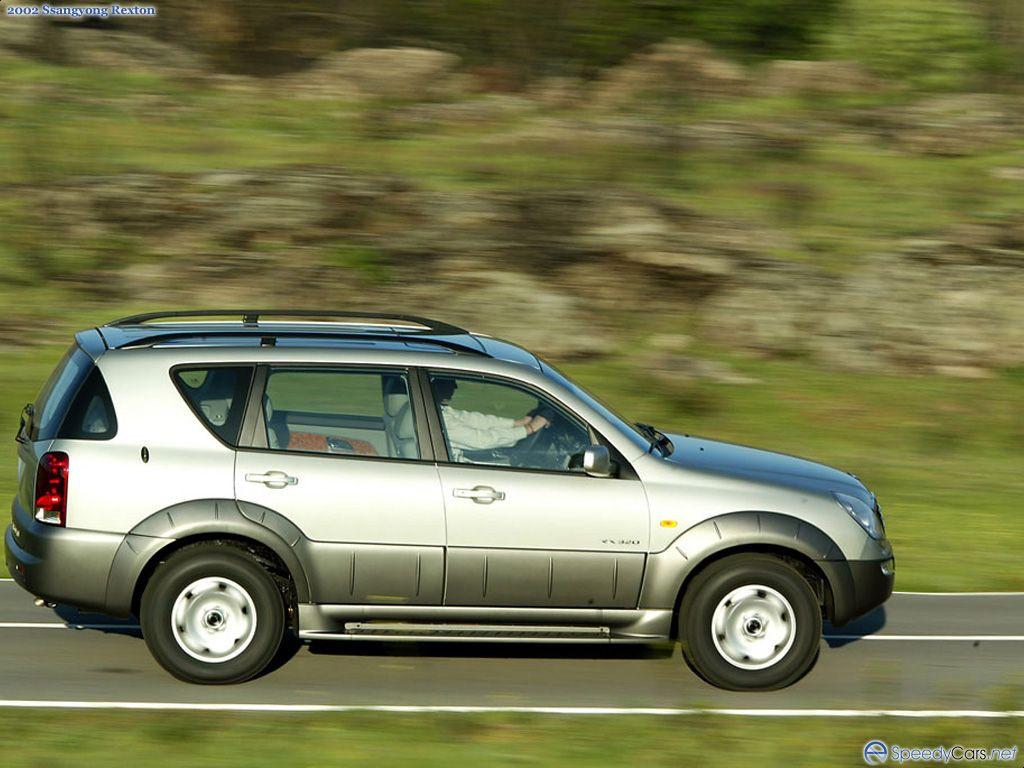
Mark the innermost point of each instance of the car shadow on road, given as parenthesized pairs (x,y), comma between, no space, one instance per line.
(836,637)
(869,624)
(97,622)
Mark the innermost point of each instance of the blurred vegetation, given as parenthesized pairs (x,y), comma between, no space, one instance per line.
(512,40)
(214,739)
(932,43)
(927,44)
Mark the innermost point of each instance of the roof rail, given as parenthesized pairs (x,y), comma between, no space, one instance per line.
(270,338)
(251,317)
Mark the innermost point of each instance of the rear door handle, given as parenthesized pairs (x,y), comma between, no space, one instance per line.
(481,494)
(273,479)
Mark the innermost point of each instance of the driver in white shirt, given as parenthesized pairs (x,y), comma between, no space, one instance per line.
(473,431)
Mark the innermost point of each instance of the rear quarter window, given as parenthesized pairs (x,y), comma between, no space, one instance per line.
(54,400)
(91,415)
(216,394)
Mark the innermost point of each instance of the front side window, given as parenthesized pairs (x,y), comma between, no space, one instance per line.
(217,396)
(348,412)
(486,421)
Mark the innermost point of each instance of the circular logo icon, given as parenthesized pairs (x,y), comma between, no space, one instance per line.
(875,753)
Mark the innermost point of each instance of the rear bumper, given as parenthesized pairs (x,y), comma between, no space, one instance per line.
(858,586)
(59,564)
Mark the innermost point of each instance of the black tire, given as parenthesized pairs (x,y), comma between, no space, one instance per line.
(747,617)
(212,586)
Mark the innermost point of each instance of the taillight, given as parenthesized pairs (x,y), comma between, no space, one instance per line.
(52,489)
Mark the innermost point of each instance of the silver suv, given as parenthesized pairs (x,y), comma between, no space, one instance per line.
(241,483)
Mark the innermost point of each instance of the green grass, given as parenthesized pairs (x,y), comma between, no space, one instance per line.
(35,738)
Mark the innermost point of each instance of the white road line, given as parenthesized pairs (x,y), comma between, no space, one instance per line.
(403,709)
(960,594)
(943,638)
(9,580)
(53,625)
(975,638)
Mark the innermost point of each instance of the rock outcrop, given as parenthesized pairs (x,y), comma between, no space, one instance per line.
(399,74)
(672,70)
(551,269)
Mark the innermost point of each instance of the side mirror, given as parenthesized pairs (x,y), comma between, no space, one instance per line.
(597,462)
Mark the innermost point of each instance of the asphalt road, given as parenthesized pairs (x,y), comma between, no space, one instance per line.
(918,652)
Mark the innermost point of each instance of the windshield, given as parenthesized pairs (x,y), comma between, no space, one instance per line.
(627,427)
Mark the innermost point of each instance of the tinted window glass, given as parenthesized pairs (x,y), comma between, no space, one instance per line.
(91,416)
(355,413)
(501,424)
(53,401)
(217,395)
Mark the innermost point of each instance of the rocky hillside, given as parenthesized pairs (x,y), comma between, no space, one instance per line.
(565,265)
(559,270)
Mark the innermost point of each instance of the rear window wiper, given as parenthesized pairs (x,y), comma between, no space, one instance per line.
(26,419)
(658,439)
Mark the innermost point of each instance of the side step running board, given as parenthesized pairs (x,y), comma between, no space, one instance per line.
(379,630)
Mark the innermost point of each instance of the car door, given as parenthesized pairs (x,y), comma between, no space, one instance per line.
(337,451)
(525,525)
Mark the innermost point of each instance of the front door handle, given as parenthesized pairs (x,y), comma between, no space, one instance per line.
(273,479)
(481,494)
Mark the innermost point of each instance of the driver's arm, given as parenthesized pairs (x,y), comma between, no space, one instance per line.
(470,431)
(476,420)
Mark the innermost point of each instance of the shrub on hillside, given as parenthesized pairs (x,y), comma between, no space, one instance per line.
(933,45)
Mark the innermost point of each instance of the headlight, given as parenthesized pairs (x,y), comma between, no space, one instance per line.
(862,513)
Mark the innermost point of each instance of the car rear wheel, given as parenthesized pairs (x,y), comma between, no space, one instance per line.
(212,614)
(750,622)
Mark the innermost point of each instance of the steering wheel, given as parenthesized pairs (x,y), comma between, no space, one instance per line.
(532,442)
(529,443)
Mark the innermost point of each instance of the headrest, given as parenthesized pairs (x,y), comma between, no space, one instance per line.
(405,428)
(394,403)
(395,385)
(216,411)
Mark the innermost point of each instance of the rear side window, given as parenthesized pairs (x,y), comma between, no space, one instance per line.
(338,411)
(217,396)
(91,416)
(55,398)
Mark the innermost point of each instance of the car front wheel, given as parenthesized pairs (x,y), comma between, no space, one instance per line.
(750,622)
(211,614)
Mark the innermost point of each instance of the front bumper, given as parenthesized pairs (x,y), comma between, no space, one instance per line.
(857,586)
(62,565)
